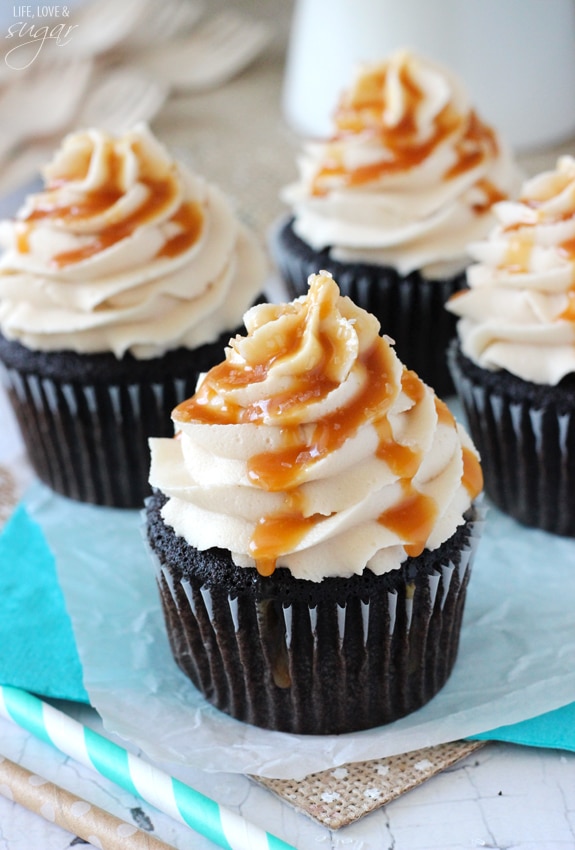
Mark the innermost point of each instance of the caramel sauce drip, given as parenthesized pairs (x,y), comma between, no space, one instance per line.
(272,627)
(276,534)
(23,238)
(161,194)
(444,414)
(191,220)
(402,460)
(412,519)
(199,408)
(517,255)
(412,385)
(567,250)
(89,205)
(472,478)
(478,141)
(281,531)
(365,106)
(568,314)
(492,196)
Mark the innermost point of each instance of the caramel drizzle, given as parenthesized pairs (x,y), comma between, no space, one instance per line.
(567,249)
(492,196)
(472,478)
(517,259)
(364,113)
(413,517)
(517,255)
(282,470)
(160,197)
(478,142)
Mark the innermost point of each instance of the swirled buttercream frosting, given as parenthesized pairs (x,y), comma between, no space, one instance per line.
(408,177)
(124,250)
(519,313)
(312,447)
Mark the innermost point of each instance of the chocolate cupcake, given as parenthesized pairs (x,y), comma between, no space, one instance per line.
(313,524)
(120,282)
(390,202)
(514,361)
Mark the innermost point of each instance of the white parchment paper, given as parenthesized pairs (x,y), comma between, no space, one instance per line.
(516,658)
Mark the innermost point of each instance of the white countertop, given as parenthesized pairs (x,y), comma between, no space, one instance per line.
(501,796)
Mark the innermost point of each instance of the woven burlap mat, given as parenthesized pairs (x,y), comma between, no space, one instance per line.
(337,797)
(8,494)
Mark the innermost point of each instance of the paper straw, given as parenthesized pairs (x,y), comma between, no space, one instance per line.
(63,808)
(222,826)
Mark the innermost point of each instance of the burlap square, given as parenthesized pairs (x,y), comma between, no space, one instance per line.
(337,797)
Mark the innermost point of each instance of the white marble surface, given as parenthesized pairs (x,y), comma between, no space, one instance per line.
(502,796)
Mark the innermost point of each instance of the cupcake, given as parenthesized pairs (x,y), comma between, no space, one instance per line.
(313,524)
(389,203)
(120,282)
(514,360)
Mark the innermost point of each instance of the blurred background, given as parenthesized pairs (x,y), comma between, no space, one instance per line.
(231,87)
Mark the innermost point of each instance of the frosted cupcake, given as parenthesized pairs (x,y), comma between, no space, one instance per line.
(120,282)
(514,364)
(313,524)
(390,202)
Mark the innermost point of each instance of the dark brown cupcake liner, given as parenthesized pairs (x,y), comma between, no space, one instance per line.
(89,442)
(525,434)
(321,666)
(411,309)
(86,419)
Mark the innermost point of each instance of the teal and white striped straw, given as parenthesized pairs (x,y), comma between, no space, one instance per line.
(222,826)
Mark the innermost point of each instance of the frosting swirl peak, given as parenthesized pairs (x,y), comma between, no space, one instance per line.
(519,313)
(409,175)
(312,447)
(124,249)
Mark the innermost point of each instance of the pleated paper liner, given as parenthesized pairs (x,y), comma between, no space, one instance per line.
(525,434)
(342,795)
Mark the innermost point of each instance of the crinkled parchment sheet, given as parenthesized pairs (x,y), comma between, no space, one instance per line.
(515,658)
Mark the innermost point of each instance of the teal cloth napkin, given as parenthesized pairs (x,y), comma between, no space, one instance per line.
(38,651)
(37,647)
(554,729)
